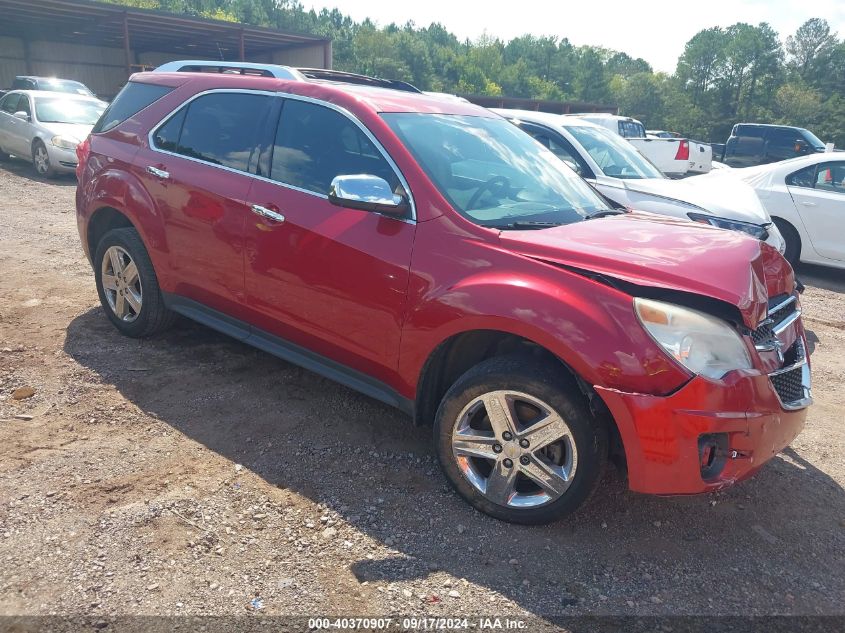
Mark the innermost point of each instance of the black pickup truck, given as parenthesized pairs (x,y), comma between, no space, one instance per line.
(758,143)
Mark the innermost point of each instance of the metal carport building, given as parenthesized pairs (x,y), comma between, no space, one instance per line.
(102,44)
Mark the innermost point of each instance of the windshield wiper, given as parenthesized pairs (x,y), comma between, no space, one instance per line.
(604,213)
(526,225)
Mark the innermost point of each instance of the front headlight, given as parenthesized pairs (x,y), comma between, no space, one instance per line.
(702,343)
(65,142)
(754,230)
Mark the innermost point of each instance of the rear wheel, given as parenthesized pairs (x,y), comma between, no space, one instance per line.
(516,440)
(128,286)
(41,160)
(792,239)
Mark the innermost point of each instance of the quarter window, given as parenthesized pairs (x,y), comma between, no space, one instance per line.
(314,144)
(133,98)
(220,128)
(802,178)
(167,136)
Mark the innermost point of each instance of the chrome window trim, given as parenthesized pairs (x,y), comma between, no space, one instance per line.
(283,95)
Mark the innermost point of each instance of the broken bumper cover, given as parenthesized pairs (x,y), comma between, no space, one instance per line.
(661,434)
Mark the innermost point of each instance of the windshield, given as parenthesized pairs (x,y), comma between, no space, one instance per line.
(493,173)
(614,155)
(53,110)
(812,139)
(64,85)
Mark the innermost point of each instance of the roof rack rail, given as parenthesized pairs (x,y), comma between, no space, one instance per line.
(239,68)
(354,78)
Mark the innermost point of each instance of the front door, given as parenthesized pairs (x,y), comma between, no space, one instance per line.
(328,278)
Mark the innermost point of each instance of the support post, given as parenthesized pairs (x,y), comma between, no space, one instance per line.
(27,55)
(127,52)
(241,47)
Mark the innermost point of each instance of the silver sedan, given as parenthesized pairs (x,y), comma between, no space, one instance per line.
(45,127)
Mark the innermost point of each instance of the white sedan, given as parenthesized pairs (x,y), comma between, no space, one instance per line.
(45,127)
(618,171)
(806,198)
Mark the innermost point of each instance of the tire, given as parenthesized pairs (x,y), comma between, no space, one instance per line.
(43,167)
(533,392)
(792,254)
(133,302)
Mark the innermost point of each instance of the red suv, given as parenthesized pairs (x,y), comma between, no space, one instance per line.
(431,255)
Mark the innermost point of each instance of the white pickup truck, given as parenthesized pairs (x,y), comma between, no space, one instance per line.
(675,157)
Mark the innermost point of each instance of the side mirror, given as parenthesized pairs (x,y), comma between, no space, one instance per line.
(370,193)
(23,116)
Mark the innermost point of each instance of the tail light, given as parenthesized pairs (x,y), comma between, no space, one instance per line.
(683,150)
(82,152)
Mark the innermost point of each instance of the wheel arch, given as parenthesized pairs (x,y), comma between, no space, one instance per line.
(464,350)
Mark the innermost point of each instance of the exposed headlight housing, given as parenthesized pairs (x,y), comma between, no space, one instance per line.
(65,142)
(754,230)
(702,343)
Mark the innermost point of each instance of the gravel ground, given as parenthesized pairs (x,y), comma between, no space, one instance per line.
(189,474)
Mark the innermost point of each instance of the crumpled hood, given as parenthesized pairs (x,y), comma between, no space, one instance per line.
(718,192)
(653,250)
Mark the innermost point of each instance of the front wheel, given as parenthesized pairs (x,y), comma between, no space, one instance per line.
(516,440)
(41,160)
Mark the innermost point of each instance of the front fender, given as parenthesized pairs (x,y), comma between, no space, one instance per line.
(588,325)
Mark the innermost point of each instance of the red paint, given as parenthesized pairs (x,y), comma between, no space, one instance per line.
(379,294)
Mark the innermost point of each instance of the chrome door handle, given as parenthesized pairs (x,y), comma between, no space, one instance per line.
(158,173)
(264,212)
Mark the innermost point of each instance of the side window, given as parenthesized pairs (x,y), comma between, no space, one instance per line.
(314,144)
(133,98)
(560,147)
(10,103)
(784,138)
(23,105)
(831,177)
(803,178)
(167,136)
(222,128)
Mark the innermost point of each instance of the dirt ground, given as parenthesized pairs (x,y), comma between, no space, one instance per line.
(190,474)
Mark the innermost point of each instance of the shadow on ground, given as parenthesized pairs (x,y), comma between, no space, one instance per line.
(24,169)
(832,279)
(771,544)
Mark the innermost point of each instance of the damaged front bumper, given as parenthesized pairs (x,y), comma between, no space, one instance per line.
(710,434)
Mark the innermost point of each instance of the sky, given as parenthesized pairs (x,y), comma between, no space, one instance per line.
(655,30)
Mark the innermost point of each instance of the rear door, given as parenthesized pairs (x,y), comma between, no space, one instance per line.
(8,107)
(331,279)
(197,170)
(820,201)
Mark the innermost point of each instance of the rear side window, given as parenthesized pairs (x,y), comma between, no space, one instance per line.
(749,130)
(631,129)
(220,128)
(314,144)
(10,103)
(802,178)
(130,101)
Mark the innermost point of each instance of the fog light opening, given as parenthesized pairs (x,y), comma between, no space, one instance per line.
(712,454)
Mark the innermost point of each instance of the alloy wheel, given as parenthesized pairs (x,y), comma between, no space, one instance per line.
(514,449)
(42,160)
(121,284)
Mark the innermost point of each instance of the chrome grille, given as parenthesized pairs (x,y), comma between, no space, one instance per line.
(783,311)
(792,381)
(789,385)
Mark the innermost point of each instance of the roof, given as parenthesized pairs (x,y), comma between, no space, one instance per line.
(101,24)
(555,120)
(55,93)
(347,95)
